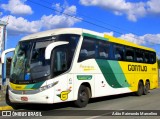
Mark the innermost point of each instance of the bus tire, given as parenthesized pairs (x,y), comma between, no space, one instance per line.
(83,97)
(140,88)
(146,88)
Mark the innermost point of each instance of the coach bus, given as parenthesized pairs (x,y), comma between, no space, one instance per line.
(73,64)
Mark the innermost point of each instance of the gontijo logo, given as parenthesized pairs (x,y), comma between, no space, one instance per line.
(137,68)
(64,94)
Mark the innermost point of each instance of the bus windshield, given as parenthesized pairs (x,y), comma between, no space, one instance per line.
(29,64)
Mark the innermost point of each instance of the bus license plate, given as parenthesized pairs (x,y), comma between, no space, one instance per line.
(24,98)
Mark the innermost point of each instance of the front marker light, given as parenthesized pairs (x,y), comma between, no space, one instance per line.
(50,85)
(43,88)
(47,86)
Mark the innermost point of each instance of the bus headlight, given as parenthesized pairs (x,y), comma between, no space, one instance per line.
(47,86)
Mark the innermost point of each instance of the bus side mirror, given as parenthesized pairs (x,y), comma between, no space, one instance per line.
(51,46)
(5,52)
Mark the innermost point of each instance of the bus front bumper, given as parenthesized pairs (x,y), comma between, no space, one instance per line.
(44,97)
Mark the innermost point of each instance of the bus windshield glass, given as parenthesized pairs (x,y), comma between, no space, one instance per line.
(29,64)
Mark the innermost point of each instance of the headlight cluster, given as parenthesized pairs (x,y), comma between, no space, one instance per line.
(47,86)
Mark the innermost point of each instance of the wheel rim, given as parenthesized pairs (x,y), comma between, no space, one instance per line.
(141,87)
(146,87)
(83,96)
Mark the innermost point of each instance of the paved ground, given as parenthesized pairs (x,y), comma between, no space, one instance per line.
(2,93)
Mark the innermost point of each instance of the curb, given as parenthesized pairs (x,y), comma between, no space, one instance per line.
(5,108)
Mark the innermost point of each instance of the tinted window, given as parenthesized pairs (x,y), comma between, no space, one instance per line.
(139,56)
(103,52)
(119,52)
(39,66)
(129,54)
(88,49)
(146,57)
(60,62)
(62,56)
(152,58)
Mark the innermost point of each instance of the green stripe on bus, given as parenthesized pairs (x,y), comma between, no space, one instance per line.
(119,74)
(84,77)
(37,85)
(94,36)
(113,73)
(29,86)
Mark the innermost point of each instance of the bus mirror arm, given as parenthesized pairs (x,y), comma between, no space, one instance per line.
(5,52)
(51,46)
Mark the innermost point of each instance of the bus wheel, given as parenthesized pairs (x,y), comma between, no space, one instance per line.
(83,97)
(140,89)
(146,88)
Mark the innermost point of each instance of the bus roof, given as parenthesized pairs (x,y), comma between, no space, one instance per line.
(81,31)
(53,32)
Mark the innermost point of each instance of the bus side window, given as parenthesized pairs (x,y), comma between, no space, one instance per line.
(119,52)
(88,49)
(152,57)
(60,63)
(129,54)
(146,57)
(139,56)
(103,50)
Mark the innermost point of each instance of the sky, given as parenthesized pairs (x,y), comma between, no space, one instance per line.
(137,21)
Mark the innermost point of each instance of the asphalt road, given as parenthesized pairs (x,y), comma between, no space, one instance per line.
(103,107)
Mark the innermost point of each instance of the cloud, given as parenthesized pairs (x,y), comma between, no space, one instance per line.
(57,21)
(58,7)
(63,20)
(17,7)
(70,10)
(133,10)
(109,33)
(22,26)
(149,40)
(19,25)
(142,40)
(153,38)
(132,38)
(154,6)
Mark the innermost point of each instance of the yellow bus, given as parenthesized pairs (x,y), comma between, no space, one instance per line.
(74,64)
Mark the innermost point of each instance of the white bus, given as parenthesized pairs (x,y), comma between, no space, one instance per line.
(74,64)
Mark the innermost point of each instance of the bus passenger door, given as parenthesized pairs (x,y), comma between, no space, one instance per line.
(59,68)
